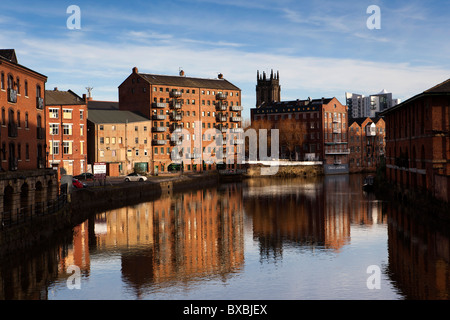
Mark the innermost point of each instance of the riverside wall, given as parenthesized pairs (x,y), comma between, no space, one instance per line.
(84,203)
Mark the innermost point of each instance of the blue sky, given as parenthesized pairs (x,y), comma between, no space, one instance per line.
(321,48)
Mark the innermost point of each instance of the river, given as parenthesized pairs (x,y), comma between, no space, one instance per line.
(319,238)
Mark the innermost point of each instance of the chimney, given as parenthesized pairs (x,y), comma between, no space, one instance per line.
(220,76)
(181,73)
(55,89)
(135,70)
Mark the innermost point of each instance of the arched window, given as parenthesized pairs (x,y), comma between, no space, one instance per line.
(38,91)
(26,88)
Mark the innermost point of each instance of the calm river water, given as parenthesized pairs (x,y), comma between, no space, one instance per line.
(289,239)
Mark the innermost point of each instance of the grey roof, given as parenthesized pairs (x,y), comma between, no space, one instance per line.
(114,116)
(56,98)
(182,81)
(103,105)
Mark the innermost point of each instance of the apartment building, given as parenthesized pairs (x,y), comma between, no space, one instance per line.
(366,143)
(121,139)
(361,106)
(312,129)
(418,142)
(22,115)
(66,126)
(24,182)
(187,115)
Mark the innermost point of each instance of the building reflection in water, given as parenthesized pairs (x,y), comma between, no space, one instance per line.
(180,238)
(314,213)
(197,235)
(419,255)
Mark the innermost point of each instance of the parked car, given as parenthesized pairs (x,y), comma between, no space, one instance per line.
(78,184)
(85,176)
(135,177)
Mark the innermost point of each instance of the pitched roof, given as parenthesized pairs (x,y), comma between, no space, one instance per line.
(56,97)
(181,81)
(8,54)
(114,116)
(440,88)
(103,105)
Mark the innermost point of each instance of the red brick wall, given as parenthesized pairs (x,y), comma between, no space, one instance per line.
(26,105)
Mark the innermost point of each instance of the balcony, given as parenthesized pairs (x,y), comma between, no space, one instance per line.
(159,104)
(157,142)
(175,128)
(39,103)
(221,118)
(221,96)
(175,142)
(40,133)
(159,129)
(12,130)
(175,105)
(236,119)
(176,117)
(221,107)
(336,120)
(175,94)
(236,108)
(12,95)
(337,151)
(158,117)
(337,130)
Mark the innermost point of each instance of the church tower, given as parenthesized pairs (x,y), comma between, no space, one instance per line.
(267,90)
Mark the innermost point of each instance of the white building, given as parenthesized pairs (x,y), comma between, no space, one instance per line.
(360,106)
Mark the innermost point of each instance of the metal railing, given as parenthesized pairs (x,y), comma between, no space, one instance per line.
(28,213)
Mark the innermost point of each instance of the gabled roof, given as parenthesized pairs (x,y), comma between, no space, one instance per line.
(441,88)
(9,54)
(182,81)
(114,116)
(103,105)
(56,97)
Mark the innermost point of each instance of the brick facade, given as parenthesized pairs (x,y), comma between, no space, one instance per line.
(66,128)
(22,118)
(418,142)
(366,143)
(180,105)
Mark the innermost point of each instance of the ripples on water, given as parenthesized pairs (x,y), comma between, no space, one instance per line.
(261,239)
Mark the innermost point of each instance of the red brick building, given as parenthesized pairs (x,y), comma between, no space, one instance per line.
(22,115)
(323,131)
(366,143)
(174,103)
(66,115)
(418,142)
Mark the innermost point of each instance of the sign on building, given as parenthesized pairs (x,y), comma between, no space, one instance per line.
(99,170)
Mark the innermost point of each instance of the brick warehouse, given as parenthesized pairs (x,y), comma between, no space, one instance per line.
(323,132)
(366,143)
(24,181)
(174,103)
(66,115)
(418,142)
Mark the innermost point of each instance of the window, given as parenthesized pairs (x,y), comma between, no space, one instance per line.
(137,152)
(54,129)
(27,152)
(54,113)
(67,113)
(3,81)
(102,153)
(67,147)
(101,127)
(26,88)
(81,129)
(113,140)
(107,140)
(67,129)
(26,119)
(54,149)
(102,140)
(81,114)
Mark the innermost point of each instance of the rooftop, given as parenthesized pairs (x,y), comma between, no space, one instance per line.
(56,98)
(114,116)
